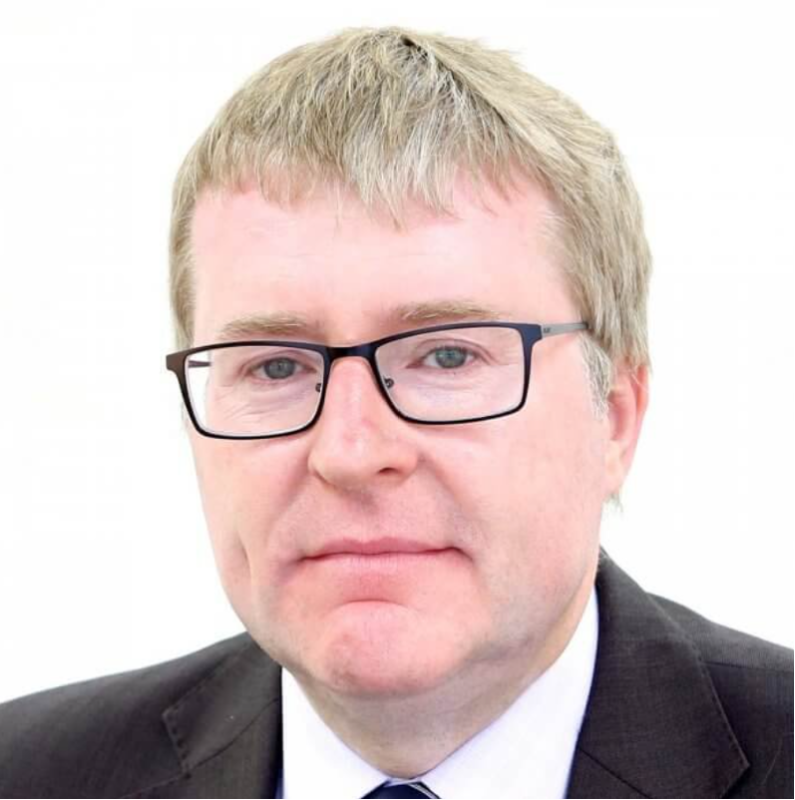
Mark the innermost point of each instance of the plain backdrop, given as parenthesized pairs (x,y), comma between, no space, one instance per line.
(105,562)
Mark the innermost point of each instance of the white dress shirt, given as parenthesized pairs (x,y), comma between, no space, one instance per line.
(526,752)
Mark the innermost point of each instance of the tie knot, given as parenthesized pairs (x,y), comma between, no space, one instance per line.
(413,789)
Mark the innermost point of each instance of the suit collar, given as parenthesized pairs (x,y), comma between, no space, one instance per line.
(654,726)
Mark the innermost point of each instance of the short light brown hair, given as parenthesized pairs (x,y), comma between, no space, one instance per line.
(393,115)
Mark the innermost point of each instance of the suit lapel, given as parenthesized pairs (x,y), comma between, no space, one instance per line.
(227,732)
(654,726)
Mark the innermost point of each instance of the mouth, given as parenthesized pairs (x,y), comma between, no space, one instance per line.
(386,569)
(387,545)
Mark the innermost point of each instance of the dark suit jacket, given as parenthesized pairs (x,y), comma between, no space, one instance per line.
(680,707)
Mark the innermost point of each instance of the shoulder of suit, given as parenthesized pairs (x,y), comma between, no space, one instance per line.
(67,729)
(753,682)
(721,646)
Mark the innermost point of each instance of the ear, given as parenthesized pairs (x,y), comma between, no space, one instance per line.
(627,402)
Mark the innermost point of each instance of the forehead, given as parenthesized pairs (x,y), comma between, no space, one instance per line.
(336,272)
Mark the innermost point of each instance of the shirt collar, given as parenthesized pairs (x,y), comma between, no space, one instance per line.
(526,752)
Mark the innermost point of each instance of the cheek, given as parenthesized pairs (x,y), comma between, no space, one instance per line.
(543,502)
(237,510)
(216,476)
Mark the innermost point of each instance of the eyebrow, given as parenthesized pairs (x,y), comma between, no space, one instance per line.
(281,323)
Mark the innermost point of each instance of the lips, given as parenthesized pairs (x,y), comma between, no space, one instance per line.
(382,546)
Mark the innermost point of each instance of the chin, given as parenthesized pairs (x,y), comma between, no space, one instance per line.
(385,652)
(372,678)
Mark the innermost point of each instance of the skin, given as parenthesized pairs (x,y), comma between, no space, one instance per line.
(407,656)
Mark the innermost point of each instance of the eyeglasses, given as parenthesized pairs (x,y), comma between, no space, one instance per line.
(444,375)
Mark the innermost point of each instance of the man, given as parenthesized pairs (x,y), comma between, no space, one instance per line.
(409,284)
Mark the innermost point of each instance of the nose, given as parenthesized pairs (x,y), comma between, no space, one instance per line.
(358,438)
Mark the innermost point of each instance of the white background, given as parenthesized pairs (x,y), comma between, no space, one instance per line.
(105,562)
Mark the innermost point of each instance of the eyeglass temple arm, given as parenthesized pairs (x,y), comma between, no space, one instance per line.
(563,327)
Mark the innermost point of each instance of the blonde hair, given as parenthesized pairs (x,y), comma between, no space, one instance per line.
(393,115)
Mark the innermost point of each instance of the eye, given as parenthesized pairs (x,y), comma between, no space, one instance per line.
(449,356)
(277,368)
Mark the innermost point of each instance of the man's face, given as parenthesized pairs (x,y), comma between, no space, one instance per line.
(508,508)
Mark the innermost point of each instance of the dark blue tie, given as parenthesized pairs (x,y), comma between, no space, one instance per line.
(415,789)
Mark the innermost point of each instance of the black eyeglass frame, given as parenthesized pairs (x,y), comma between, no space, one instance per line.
(531,333)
